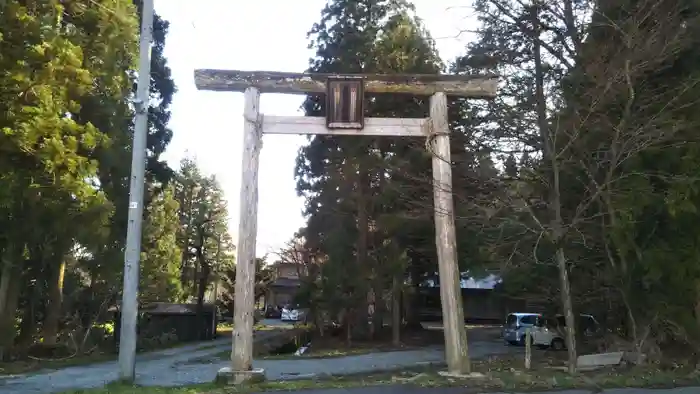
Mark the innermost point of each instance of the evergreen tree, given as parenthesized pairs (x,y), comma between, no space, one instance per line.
(160,256)
(65,116)
(47,161)
(601,126)
(206,245)
(363,188)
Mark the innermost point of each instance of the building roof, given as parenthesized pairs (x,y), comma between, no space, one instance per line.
(285,262)
(467,282)
(164,308)
(286,282)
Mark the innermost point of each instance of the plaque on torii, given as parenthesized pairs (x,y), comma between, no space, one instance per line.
(345,116)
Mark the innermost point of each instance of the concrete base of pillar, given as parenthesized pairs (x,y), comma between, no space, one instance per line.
(227,376)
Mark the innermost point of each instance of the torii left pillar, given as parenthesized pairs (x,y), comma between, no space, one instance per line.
(244,302)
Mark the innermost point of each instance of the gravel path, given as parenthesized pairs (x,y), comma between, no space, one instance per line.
(365,363)
(97,375)
(152,368)
(189,365)
(198,364)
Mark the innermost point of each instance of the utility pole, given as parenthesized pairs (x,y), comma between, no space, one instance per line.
(129,307)
(215,298)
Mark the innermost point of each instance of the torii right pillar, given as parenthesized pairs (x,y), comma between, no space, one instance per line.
(456,347)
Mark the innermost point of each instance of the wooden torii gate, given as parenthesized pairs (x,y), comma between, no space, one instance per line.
(344,99)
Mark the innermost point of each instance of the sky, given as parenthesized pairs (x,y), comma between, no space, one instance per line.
(267,35)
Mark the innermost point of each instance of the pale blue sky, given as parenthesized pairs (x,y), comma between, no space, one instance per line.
(265,35)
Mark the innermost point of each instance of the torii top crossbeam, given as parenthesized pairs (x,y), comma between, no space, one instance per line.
(473,86)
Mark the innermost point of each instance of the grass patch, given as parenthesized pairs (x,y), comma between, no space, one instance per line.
(498,375)
(322,353)
(224,329)
(268,339)
(536,380)
(312,353)
(225,355)
(333,345)
(27,365)
(302,384)
(18,367)
(23,366)
(506,373)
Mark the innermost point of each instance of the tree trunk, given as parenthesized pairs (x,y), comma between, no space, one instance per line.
(32,294)
(362,325)
(5,279)
(568,309)
(10,285)
(413,301)
(27,328)
(697,305)
(556,229)
(50,328)
(348,327)
(184,279)
(7,320)
(87,301)
(202,281)
(620,269)
(372,313)
(396,311)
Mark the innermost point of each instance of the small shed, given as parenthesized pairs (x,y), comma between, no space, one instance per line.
(282,291)
(480,305)
(181,320)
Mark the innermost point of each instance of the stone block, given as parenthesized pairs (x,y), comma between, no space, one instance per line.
(472,375)
(227,376)
(592,361)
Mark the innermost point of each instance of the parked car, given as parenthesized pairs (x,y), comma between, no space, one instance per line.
(545,332)
(551,332)
(293,314)
(273,312)
(516,324)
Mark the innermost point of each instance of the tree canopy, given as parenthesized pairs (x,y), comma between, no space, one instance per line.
(575,185)
(65,141)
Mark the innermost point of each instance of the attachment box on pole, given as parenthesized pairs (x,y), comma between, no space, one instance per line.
(345,98)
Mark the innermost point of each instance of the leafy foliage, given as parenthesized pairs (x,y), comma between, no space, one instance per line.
(65,152)
(577,184)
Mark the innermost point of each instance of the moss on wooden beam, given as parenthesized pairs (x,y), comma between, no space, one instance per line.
(474,86)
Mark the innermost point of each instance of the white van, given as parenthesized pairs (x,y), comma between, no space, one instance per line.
(544,332)
(293,314)
(516,324)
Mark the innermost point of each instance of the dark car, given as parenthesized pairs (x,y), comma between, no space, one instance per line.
(273,312)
